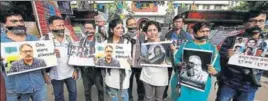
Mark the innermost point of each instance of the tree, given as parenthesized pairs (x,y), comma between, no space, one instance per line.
(251,5)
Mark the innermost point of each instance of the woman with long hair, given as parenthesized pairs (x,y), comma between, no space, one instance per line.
(117,80)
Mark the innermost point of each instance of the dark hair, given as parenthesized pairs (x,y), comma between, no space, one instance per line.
(240,38)
(200,25)
(52,18)
(108,46)
(253,39)
(252,14)
(158,48)
(142,24)
(263,44)
(26,44)
(251,49)
(260,49)
(112,25)
(145,28)
(237,46)
(130,18)
(178,17)
(12,12)
(90,22)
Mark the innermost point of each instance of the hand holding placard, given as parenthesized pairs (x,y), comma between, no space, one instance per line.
(57,52)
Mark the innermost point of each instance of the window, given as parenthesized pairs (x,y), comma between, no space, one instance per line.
(205,7)
(218,7)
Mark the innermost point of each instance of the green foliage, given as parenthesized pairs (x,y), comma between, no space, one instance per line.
(251,5)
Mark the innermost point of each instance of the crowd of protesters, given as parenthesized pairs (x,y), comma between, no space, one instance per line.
(235,82)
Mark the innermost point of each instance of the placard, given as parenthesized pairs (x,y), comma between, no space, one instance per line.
(250,53)
(195,74)
(41,53)
(155,54)
(119,54)
(82,56)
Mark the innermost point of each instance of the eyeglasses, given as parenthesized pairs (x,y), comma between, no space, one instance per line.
(89,28)
(109,51)
(254,21)
(27,51)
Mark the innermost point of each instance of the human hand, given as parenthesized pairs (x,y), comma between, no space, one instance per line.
(57,52)
(212,70)
(75,75)
(230,52)
(47,79)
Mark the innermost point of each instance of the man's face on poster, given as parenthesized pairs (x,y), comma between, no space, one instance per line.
(26,52)
(195,66)
(259,52)
(237,49)
(157,51)
(108,52)
(251,43)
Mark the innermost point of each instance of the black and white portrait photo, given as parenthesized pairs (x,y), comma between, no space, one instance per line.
(155,54)
(194,70)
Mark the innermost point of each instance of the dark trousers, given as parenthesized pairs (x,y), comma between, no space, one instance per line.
(166,89)
(90,77)
(58,89)
(140,88)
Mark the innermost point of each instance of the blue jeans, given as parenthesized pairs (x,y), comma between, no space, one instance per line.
(58,89)
(113,94)
(226,93)
(38,95)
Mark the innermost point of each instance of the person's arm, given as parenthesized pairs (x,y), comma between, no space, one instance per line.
(178,55)
(215,67)
(75,73)
(226,50)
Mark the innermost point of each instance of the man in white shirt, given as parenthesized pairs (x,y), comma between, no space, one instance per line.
(62,73)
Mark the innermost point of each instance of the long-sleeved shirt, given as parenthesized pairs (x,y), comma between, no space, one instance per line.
(25,82)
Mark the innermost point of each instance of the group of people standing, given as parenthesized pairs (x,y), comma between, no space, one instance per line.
(152,82)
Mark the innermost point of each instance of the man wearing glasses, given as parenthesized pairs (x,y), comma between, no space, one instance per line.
(108,60)
(28,61)
(235,82)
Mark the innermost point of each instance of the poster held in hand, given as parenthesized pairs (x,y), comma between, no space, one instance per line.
(113,55)
(81,56)
(250,53)
(154,54)
(21,57)
(195,74)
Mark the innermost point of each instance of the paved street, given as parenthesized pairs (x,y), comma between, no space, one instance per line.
(260,96)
